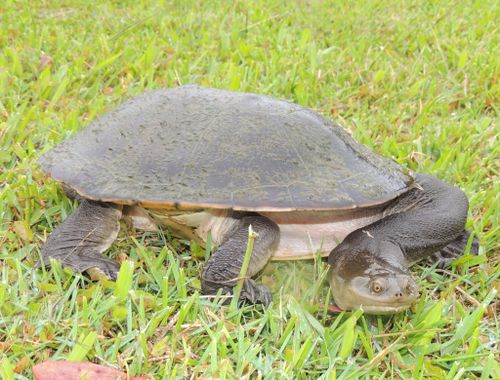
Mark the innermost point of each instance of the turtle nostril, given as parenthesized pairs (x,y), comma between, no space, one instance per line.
(399,295)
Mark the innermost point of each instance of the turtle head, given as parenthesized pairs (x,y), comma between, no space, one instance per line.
(371,274)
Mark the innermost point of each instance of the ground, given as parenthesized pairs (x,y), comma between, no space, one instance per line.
(416,81)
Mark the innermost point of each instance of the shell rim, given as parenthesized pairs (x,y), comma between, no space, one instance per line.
(176,205)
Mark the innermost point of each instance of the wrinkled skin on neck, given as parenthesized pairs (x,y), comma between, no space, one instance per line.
(371,274)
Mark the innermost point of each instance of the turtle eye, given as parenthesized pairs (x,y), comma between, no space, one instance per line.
(376,286)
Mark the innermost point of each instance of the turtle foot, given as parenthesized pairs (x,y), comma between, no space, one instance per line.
(255,293)
(454,250)
(94,263)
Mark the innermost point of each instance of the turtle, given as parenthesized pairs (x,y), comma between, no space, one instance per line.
(205,162)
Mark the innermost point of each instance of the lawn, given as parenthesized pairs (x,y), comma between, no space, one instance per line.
(416,82)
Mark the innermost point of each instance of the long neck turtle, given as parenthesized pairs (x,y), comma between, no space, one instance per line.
(205,161)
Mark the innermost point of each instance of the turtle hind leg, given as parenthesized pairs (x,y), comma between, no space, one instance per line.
(79,241)
(139,218)
(454,250)
(222,270)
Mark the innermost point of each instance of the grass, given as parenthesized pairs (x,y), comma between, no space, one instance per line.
(415,81)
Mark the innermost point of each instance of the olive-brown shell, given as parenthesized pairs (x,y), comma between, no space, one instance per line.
(193,147)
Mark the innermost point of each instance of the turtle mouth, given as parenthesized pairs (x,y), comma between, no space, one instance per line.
(379,309)
(385,309)
(375,307)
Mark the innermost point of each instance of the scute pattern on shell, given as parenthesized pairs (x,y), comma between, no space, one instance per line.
(200,147)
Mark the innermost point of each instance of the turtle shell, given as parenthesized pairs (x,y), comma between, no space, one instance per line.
(196,147)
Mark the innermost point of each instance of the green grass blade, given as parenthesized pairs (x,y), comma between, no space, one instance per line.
(124,280)
(82,347)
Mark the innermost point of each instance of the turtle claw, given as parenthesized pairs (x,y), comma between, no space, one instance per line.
(112,272)
(251,292)
(454,250)
(254,293)
(103,268)
(441,261)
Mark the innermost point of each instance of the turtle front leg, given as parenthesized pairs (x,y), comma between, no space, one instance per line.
(425,220)
(369,267)
(78,243)
(223,268)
